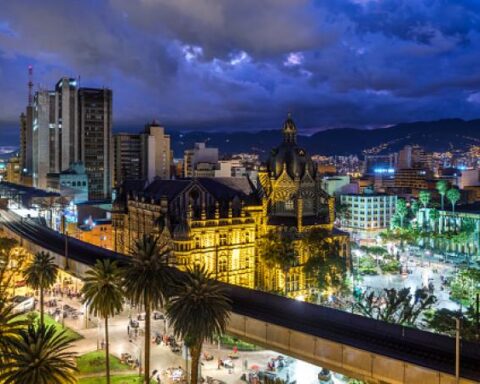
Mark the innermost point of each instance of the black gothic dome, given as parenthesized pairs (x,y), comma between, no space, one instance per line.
(289,155)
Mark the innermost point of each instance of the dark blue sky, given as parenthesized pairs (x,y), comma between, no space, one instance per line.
(242,64)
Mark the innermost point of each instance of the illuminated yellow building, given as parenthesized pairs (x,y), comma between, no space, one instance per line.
(293,200)
(218,221)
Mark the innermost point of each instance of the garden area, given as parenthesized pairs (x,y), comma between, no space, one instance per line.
(120,379)
(33,318)
(91,368)
(94,362)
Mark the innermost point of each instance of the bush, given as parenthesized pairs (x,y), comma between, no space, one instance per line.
(390,266)
(230,342)
(367,266)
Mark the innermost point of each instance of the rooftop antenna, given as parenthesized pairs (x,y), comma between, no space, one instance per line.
(30,85)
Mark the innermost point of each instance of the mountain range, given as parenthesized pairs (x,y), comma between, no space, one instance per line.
(441,135)
(434,136)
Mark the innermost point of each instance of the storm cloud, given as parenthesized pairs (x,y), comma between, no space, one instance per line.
(210,64)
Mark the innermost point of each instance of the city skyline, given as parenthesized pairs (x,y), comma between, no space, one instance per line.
(226,191)
(194,66)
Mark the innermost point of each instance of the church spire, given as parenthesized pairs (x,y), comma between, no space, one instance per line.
(289,130)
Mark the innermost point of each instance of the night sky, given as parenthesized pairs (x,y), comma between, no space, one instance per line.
(243,64)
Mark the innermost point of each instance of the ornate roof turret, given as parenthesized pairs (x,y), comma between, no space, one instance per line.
(289,156)
(289,130)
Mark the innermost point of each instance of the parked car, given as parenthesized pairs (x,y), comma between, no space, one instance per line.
(22,304)
(158,316)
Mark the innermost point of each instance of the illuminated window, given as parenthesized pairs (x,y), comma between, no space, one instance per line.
(223,239)
(222,264)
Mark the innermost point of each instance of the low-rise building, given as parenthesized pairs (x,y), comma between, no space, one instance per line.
(71,182)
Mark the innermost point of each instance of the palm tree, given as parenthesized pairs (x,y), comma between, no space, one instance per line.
(401,210)
(10,326)
(277,249)
(442,187)
(424,197)
(41,274)
(104,296)
(198,310)
(146,281)
(453,195)
(40,355)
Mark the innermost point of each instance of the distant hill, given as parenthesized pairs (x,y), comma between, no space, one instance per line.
(439,135)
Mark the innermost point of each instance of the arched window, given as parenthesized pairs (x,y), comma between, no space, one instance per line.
(222,264)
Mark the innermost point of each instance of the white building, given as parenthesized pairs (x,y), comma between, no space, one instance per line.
(368,211)
(156,155)
(335,185)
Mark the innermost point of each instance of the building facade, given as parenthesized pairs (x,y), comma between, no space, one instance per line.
(142,156)
(219,222)
(13,170)
(95,149)
(156,153)
(127,157)
(205,220)
(368,211)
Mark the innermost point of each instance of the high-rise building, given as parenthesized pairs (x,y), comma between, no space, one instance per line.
(142,156)
(44,138)
(156,155)
(414,157)
(95,150)
(26,134)
(127,157)
(69,125)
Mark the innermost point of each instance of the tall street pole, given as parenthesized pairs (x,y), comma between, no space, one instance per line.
(457,350)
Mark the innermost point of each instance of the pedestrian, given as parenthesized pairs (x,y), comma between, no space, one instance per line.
(219,363)
(158,379)
(128,329)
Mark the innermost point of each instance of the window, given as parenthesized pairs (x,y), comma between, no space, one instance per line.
(222,264)
(223,239)
(289,205)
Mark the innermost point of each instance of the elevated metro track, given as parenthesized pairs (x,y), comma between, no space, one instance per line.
(368,349)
